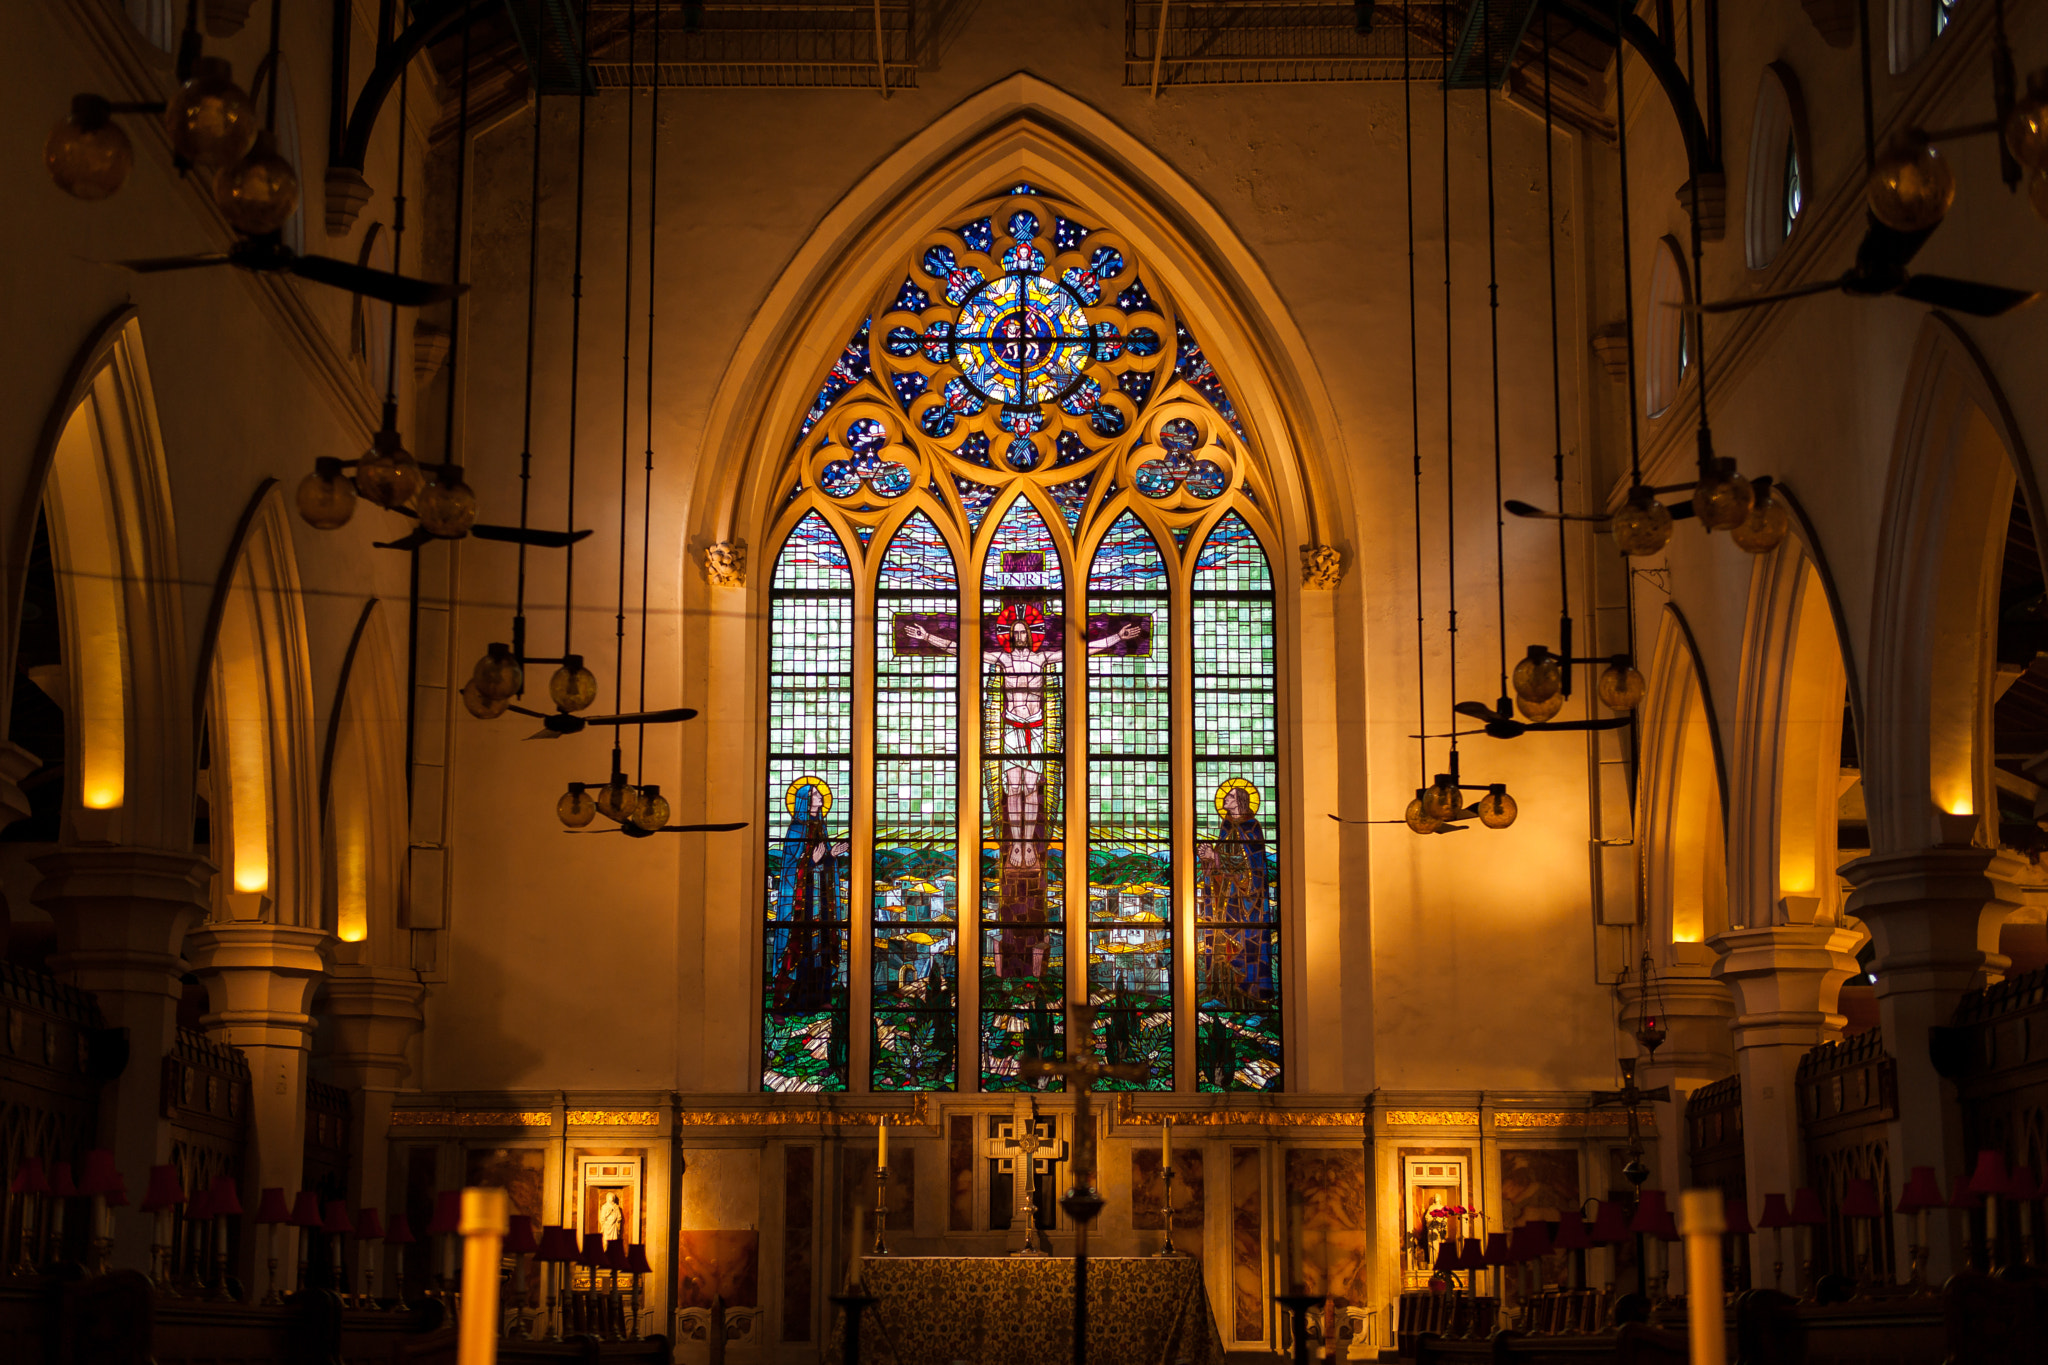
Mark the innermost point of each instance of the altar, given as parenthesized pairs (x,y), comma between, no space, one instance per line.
(1019,1310)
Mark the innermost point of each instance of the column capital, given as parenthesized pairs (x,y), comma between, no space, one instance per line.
(1787,980)
(373,1013)
(260,980)
(122,914)
(1934,915)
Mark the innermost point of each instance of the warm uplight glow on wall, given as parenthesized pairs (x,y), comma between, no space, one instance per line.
(351,876)
(1699,878)
(1810,745)
(241,724)
(83,534)
(1964,630)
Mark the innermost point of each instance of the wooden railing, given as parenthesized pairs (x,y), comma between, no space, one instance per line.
(1997,1054)
(206,1102)
(1848,1092)
(54,1051)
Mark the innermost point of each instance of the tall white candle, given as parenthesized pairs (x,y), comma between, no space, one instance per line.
(1166,1146)
(882,1144)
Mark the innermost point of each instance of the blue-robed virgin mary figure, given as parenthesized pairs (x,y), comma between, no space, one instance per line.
(806,907)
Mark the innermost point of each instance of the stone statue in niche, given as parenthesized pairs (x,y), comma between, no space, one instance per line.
(611,1219)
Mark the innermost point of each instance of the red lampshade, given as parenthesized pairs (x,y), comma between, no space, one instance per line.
(1530,1242)
(1650,1212)
(1447,1259)
(1806,1209)
(519,1241)
(592,1254)
(1610,1225)
(165,1189)
(1496,1252)
(556,1245)
(2023,1186)
(615,1255)
(1667,1228)
(271,1208)
(1860,1200)
(224,1200)
(305,1210)
(99,1176)
(1922,1191)
(1776,1214)
(117,1198)
(200,1206)
(447,1213)
(1571,1232)
(60,1181)
(400,1232)
(337,1221)
(636,1260)
(1963,1197)
(369,1227)
(29,1178)
(1738,1216)
(1990,1177)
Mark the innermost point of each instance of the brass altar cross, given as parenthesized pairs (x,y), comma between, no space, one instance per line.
(1629,1097)
(1024,1151)
(1081,1070)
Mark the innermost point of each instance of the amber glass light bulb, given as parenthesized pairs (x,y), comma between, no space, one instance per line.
(211,120)
(259,192)
(1722,498)
(88,154)
(572,688)
(326,498)
(1419,820)
(1620,687)
(1912,186)
(577,807)
(1540,711)
(618,799)
(1765,528)
(446,505)
(1497,810)
(481,706)
(2026,127)
(498,674)
(1642,526)
(387,475)
(1441,801)
(1538,676)
(652,812)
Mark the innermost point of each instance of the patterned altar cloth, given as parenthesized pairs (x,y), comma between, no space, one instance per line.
(1003,1310)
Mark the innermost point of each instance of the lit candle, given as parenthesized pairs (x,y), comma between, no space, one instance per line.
(1166,1147)
(484,1225)
(882,1144)
(1705,1219)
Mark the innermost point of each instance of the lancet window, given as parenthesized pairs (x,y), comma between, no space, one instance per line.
(1023,678)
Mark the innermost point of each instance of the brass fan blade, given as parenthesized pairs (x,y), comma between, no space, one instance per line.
(1964,296)
(1759,300)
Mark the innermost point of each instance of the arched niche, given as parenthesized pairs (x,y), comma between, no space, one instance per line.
(1956,461)
(260,778)
(1789,776)
(1681,820)
(363,800)
(106,509)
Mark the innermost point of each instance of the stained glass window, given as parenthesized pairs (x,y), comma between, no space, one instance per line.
(1023,432)
(1023,818)
(810,776)
(916,865)
(1237,825)
(1130,804)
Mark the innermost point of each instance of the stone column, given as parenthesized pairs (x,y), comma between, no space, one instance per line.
(1695,1012)
(1787,980)
(15,764)
(1934,918)
(260,980)
(122,917)
(370,1015)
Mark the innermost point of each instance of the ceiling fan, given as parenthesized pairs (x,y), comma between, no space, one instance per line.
(633,831)
(1501,723)
(1469,813)
(555,724)
(267,254)
(512,535)
(1880,269)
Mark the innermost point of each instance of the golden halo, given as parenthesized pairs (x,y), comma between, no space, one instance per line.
(807,780)
(1251,796)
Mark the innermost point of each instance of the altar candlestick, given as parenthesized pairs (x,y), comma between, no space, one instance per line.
(860,1221)
(1166,1146)
(1705,1215)
(882,1144)
(484,1225)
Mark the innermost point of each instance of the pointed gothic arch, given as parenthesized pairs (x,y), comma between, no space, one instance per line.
(1681,800)
(363,800)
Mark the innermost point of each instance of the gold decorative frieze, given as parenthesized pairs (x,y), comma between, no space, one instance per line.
(1564,1118)
(472,1118)
(1431,1118)
(847,1117)
(1128,1112)
(613,1118)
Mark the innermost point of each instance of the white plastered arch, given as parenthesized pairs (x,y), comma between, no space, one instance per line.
(1680,806)
(363,800)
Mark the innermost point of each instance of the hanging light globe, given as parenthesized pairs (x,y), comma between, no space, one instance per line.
(211,120)
(618,799)
(2026,127)
(1442,801)
(1642,526)
(88,154)
(1765,528)
(481,706)
(1418,819)
(259,192)
(652,812)
(445,504)
(573,687)
(498,675)
(1539,676)
(1497,810)
(1722,498)
(326,498)
(1540,711)
(1911,186)
(387,475)
(1620,687)
(577,807)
